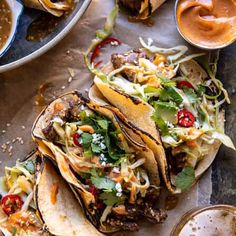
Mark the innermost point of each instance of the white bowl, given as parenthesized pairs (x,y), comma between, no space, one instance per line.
(16,10)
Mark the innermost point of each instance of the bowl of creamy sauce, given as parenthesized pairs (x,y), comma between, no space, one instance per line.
(208,24)
(10,11)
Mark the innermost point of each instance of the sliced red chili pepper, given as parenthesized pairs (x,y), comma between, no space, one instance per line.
(97,49)
(185,118)
(184,83)
(92,189)
(100,205)
(11,203)
(76,137)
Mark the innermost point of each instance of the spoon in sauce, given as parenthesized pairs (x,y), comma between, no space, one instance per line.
(10,11)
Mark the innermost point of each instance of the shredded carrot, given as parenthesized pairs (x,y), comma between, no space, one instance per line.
(120,210)
(192,143)
(132,197)
(159,59)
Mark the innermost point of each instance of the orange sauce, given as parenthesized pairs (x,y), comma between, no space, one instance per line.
(207,23)
(54,192)
(26,221)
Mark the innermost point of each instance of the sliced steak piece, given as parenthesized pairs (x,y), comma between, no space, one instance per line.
(154,215)
(49,132)
(129,58)
(124,225)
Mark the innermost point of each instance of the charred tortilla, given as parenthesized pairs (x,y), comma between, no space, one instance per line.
(108,165)
(153,105)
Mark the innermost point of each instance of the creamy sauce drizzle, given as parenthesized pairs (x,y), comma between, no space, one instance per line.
(209,23)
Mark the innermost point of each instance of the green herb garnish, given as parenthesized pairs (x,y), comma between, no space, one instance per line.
(185,178)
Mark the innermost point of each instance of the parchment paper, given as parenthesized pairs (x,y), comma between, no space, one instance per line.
(18,89)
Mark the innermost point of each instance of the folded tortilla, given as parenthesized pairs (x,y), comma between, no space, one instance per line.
(57,206)
(142,9)
(57,8)
(139,114)
(72,162)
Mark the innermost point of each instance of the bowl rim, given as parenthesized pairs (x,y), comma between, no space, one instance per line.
(191,42)
(51,43)
(184,219)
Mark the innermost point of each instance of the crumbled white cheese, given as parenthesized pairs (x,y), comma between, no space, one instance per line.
(99,140)
(119,194)
(169,124)
(103,158)
(82,107)
(118,187)
(57,119)
(103,163)
(196,124)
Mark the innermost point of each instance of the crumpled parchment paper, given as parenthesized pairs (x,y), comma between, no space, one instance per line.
(18,89)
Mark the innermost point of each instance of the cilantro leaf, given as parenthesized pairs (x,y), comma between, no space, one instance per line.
(166,110)
(110,198)
(103,124)
(83,115)
(88,152)
(96,148)
(201,90)
(102,182)
(191,95)
(86,139)
(185,178)
(14,231)
(170,94)
(29,165)
(161,124)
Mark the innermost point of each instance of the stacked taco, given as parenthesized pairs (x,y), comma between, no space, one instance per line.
(174,102)
(108,166)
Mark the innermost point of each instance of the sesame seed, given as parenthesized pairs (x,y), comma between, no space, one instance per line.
(70,79)
(63,87)
(23,127)
(8,124)
(3,131)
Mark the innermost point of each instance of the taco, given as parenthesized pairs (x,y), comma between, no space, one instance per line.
(172,100)
(56,8)
(18,215)
(110,169)
(142,9)
(56,204)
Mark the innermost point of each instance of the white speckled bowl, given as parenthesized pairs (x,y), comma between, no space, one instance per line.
(16,9)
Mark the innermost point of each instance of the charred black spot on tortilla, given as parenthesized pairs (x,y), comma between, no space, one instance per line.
(149,8)
(133,99)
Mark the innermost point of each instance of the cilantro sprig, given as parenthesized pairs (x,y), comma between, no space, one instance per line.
(102,182)
(185,178)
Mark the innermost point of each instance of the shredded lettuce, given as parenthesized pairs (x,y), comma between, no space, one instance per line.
(172,53)
(224,139)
